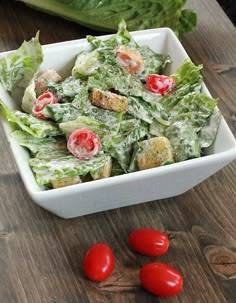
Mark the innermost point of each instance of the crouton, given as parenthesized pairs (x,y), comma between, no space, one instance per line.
(66,182)
(109,101)
(41,82)
(154,152)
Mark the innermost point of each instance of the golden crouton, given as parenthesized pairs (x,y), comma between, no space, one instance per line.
(66,182)
(41,82)
(109,101)
(154,152)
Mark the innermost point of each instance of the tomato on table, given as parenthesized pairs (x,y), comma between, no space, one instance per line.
(41,102)
(149,242)
(161,279)
(130,59)
(83,143)
(99,262)
(159,84)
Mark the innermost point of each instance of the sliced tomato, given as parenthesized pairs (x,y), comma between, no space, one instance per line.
(159,84)
(83,143)
(129,59)
(41,102)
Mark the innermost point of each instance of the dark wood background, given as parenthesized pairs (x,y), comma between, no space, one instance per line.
(41,255)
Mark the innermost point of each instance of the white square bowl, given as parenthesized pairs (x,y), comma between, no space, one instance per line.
(133,188)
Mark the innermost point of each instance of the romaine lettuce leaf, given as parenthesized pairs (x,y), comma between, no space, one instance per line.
(66,90)
(187,73)
(194,103)
(208,132)
(184,141)
(47,171)
(187,118)
(29,97)
(105,15)
(140,109)
(44,146)
(154,62)
(170,100)
(28,123)
(86,64)
(19,67)
(61,112)
(121,146)
(122,37)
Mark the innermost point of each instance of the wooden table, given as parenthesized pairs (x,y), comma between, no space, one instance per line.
(41,255)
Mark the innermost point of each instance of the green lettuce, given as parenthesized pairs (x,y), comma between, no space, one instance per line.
(106,14)
(61,112)
(65,90)
(121,146)
(41,147)
(28,123)
(189,117)
(187,73)
(47,170)
(19,67)
(184,140)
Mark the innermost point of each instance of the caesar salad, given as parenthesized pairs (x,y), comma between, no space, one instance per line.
(116,113)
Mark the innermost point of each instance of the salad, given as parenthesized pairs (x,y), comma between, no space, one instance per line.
(116,113)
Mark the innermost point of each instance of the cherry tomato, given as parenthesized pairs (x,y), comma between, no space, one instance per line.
(159,84)
(161,279)
(129,59)
(83,143)
(99,262)
(149,242)
(41,102)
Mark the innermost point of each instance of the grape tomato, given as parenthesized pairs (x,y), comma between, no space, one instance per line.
(149,242)
(99,262)
(161,279)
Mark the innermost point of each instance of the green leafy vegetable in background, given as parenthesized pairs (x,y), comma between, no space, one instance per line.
(106,14)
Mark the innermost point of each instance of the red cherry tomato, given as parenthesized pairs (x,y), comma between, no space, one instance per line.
(99,262)
(83,143)
(129,59)
(149,242)
(41,102)
(161,279)
(159,84)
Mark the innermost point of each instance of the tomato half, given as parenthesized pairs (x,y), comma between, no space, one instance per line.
(159,84)
(41,102)
(161,279)
(149,242)
(83,143)
(99,262)
(129,59)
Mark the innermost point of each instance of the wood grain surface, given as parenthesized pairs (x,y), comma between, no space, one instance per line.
(41,255)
